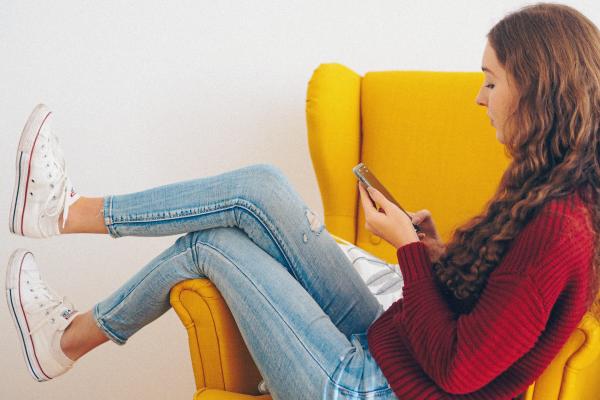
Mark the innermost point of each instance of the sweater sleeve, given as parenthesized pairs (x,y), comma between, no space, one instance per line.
(462,353)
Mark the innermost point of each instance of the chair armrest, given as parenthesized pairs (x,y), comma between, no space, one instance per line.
(333,121)
(573,373)
(590,350)
(340,240)
(215,394)
(220,358)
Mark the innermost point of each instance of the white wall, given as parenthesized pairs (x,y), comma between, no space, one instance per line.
(152,92)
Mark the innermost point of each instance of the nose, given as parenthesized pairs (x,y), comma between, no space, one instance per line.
(480,99)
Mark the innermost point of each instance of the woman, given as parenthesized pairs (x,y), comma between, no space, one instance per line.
(530,260)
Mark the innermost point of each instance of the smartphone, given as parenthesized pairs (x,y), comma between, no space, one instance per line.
(367,178)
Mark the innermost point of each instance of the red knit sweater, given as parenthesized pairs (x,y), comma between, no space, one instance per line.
(532,302)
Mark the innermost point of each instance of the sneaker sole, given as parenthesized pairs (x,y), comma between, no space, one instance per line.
(27,142)
(13,299)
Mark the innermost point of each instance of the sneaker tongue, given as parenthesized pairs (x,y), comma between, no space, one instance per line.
(64,316)
(40,300)
(71,197)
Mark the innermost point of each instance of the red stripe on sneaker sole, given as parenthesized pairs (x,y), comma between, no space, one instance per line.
(11,304)
(29,169)
(25,315)
(11,299)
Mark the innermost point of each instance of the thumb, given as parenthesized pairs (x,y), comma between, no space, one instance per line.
(420,216)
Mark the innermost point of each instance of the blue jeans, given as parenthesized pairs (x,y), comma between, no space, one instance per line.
(301,308)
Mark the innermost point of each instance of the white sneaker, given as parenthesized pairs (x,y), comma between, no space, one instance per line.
(40,316)
(42,189)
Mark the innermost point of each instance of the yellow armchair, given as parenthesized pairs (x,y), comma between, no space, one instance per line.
(425,137)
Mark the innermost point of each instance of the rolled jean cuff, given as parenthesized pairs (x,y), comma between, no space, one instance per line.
(106,329)
(108,219)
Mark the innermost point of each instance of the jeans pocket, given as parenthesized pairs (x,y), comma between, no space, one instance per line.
(357,375)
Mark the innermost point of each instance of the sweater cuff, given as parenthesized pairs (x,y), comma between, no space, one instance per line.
(414,261)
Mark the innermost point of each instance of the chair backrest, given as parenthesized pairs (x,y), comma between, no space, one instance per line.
(421,133)
(433,147)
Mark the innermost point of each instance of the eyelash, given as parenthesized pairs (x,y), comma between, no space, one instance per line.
(490,86)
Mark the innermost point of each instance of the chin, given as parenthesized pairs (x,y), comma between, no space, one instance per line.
(500,137)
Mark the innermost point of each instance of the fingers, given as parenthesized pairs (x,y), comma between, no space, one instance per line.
(365,199)
(379,198)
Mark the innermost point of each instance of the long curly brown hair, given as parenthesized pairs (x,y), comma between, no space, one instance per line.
(551,53)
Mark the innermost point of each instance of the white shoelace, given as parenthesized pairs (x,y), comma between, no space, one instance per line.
(61,184)
(390,275)
(51,304)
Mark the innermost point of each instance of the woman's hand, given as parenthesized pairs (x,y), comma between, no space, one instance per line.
(429,234)
(423,219)
(389,223)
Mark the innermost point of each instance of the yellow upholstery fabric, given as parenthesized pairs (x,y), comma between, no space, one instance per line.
(575,371)
(220,358)
(422,135)
(433,147)
(215,394)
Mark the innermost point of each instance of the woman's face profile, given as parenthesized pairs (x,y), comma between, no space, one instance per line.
(495,93)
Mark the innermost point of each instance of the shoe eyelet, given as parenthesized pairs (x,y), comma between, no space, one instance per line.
(31,290)
(47,312)
(31,193)
(53,197)
(51,185)
(32,180)
(41,305)
(52,320)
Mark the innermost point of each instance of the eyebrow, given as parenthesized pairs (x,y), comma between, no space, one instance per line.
(488,70)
